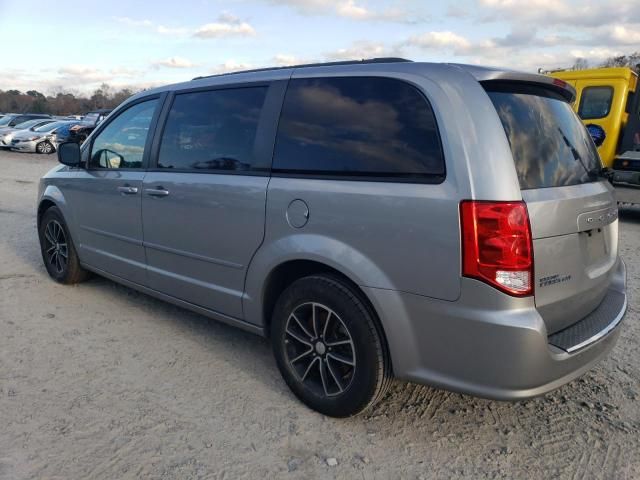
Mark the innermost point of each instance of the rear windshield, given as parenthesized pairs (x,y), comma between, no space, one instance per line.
(550,145)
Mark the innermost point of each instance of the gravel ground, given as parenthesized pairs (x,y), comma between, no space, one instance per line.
(99,381)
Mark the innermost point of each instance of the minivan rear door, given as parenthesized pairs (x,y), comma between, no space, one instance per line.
(203,203)
(571,208)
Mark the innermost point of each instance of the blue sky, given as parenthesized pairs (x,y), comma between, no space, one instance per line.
(76,45)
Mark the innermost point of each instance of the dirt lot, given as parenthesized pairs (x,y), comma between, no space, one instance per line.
(98,381)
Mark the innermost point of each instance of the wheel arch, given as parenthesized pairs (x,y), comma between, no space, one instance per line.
(287,272)
(44,205)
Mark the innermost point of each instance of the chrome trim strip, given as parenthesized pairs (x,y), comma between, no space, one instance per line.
(602,332)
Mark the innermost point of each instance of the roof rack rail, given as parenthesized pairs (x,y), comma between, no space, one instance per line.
(322,64)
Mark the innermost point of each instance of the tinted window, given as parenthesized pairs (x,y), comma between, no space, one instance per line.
(550,145)
(595,102)
(212,130)
(357,127)
(121,144)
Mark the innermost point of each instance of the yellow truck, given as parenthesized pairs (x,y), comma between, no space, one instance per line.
(608,102)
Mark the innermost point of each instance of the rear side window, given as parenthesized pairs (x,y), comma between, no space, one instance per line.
(358,127)
(595,102)
(212,130)
(550,145)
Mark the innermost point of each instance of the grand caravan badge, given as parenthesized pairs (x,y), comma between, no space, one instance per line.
(553,279)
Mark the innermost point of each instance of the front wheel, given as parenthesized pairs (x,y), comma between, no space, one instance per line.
(44,147)
(58,252)
(328,347)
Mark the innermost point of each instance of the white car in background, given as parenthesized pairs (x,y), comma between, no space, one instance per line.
(7,134)
(40,139)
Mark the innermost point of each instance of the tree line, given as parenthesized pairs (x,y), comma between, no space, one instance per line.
(62,103)
(632,61)
(65,103)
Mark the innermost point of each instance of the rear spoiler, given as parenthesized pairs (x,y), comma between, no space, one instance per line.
(491,75)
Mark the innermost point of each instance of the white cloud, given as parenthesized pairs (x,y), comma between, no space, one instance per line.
(625,36)
(230,66)
(361,50)
(546,13)
(439,40)
(148,24)
(174,62)
(285,60)
(227,25)
(352,9)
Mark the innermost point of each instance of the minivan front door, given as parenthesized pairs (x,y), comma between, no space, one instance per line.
(107,193)
(203,206)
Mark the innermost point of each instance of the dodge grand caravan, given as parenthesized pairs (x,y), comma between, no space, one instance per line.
(442,224)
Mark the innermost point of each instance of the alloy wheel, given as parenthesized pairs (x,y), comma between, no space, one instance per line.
(319,349)
(45,147)
(55,246)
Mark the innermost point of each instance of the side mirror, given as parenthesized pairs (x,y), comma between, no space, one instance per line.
(69,154)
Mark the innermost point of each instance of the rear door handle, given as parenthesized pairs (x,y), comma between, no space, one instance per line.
(156,192)
(128,190)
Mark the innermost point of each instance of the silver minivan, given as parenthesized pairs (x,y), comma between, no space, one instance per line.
(442,224)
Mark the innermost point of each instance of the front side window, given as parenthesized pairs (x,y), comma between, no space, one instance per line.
(212,130)
(358,127)
(121,144)
(595,102)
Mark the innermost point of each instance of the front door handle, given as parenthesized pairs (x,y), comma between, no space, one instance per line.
(128,190)
(156,192)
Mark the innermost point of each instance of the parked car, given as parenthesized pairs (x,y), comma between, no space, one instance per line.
(609,104)
(12,120)
(63,134)
(42,139)
(89,122)
(373,219)
(7,134)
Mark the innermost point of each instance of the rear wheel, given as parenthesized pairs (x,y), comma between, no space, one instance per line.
(58,252)
(328,347)
(44,147)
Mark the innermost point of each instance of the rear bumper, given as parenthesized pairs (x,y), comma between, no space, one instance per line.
(488,344)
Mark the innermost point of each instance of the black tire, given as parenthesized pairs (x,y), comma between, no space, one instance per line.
(350,332)
(55,243)
(45,147)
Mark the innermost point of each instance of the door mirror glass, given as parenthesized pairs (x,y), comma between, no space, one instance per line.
(69,154)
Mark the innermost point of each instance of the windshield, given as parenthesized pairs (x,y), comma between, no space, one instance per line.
(91,118)
(4,121)
(48,127)
(29,124)
(550,145)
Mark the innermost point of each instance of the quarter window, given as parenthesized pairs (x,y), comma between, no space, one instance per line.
(358,127)
(121,144)
(595,102)
(212,130)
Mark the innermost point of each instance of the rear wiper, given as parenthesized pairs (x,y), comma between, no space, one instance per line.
(594,172)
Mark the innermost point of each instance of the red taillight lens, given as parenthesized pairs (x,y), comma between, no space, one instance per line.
(496,245)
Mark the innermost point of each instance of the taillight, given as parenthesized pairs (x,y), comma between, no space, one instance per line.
(496,245)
